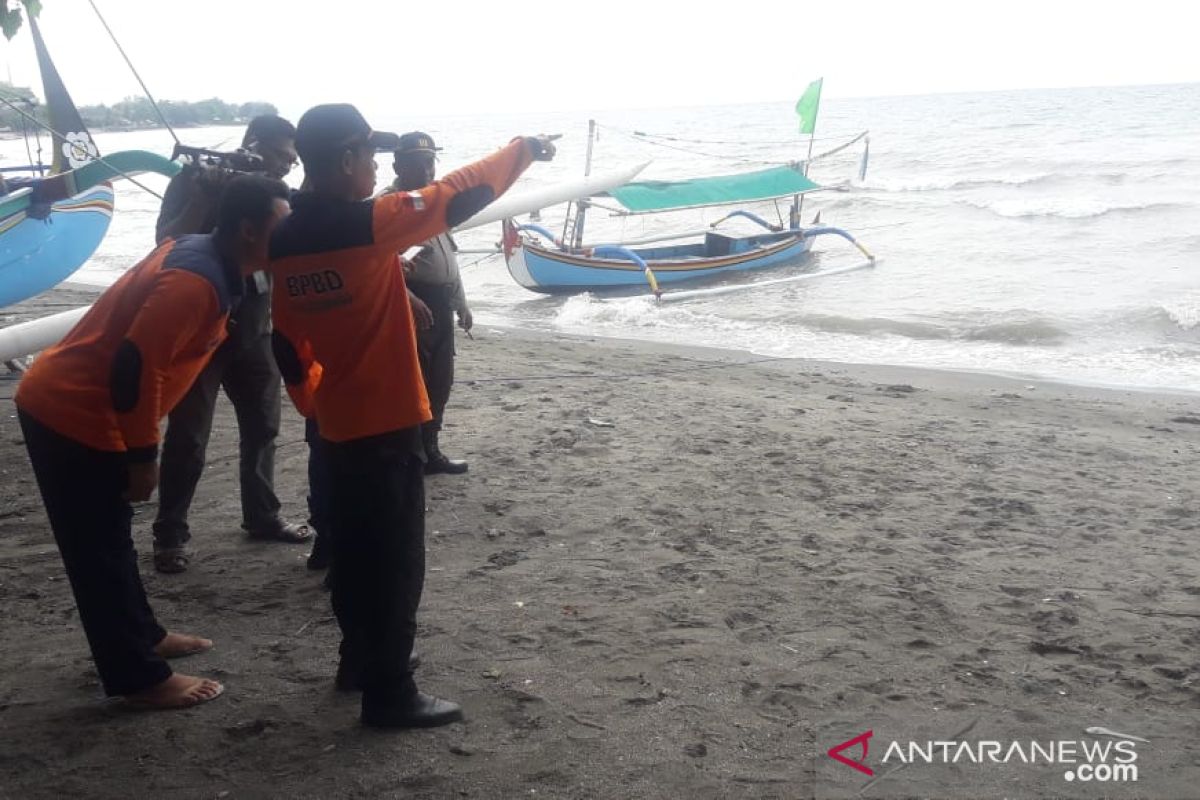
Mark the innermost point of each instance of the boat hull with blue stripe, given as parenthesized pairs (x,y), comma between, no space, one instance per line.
(38,254)
(554,271)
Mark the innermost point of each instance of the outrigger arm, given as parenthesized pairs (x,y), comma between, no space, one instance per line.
(810,233)
(603,251)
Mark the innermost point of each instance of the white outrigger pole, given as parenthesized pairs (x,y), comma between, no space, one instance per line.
(29,337)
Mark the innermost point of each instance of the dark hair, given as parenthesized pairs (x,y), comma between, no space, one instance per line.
(248,198)
(268,128)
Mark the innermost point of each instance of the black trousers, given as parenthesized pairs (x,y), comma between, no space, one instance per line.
(378,568)
(435,348)
(320,502)
(82,489)
(246,369)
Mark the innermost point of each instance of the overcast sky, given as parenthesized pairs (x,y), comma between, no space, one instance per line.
(478,57)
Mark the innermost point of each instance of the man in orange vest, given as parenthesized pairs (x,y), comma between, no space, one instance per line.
(347,349)
(90,408)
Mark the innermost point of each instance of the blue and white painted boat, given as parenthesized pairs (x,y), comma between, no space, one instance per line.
(53,220)
(38,254)
(559,270)
(541,262)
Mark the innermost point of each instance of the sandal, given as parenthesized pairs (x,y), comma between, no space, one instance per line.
(280,531)
(172,560)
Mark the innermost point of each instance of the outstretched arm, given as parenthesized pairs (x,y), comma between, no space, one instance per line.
(403,219)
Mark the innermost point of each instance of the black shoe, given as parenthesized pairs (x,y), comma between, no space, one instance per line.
(422,711)
(349,676)
(438,464)
(435,461)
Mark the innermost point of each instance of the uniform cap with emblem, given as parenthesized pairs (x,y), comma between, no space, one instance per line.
(417,142)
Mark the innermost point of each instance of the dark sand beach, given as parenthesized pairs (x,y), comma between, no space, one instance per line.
(672,574)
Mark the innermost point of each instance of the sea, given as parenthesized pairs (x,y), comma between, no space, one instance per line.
(1049,234)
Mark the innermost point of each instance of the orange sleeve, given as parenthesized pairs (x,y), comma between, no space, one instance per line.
(303,392)
(181,310)
(293,353)
(402,219)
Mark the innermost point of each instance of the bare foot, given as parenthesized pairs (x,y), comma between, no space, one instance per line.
(177,691)
(178,645)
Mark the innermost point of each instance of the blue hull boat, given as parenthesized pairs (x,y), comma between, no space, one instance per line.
(541,262)
(554,271)
(38,254)
(53,219)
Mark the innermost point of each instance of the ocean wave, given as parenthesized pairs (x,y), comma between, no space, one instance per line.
(944,183)
(941,183)
(1018,331)
(1182,313)
(642,311)
(1068,208)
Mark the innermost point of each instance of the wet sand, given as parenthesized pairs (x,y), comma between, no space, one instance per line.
(672,573)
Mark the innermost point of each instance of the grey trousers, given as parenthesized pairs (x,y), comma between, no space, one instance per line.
(435,349)
(247,372)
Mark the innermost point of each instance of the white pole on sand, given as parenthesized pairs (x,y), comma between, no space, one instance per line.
(37,334)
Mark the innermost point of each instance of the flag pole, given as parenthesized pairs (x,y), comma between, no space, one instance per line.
(798,200)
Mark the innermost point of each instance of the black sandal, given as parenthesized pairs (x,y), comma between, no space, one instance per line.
(281,531)
(172,560)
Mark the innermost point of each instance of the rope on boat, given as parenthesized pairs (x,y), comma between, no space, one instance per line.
(101,159)
(733,159)
(739,143)
(133,69)
(841,147)
(644,138)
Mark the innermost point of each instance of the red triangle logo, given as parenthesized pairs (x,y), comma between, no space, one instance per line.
(862,740)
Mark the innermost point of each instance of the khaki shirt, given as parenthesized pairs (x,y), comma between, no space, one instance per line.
(437,265)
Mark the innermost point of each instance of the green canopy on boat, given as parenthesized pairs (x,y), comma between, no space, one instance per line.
(767,184)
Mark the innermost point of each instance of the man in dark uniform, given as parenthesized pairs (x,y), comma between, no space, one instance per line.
(244,366)
(433,277)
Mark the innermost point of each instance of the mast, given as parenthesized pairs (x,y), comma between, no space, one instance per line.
(73,145)
(577,235)
(798,199)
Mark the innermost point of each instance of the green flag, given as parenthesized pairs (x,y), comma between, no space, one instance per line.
(807,105)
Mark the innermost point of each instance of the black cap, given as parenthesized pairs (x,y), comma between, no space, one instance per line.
(416,142)
(324,131)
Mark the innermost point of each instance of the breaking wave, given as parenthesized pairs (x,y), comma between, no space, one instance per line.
(956,183)
(1068,208)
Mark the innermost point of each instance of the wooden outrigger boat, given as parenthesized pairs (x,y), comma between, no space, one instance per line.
(556,268)
(53,219)
(542,262)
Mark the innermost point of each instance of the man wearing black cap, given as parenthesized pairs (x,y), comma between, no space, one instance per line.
(347,349)
(433,277)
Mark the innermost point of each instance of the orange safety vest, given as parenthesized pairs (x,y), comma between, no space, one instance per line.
(344,336)
(137,351)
